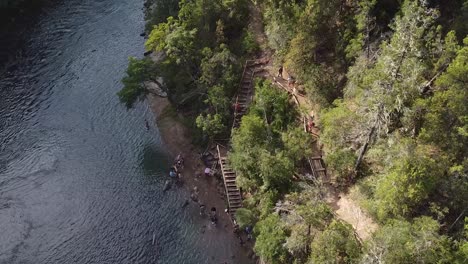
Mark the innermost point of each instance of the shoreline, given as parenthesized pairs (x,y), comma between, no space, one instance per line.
(177,139)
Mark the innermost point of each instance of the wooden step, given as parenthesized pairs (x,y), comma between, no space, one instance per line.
(235,202)
(231,185)
(235,205)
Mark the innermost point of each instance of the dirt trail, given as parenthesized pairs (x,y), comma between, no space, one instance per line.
(344,206)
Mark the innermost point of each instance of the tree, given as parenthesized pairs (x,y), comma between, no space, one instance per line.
(276,170)
(159,11)
(364,24)
(297,143)
(385,91)
(340,126)
(247,142)
(244,217)
(270,239)
(403,242)
(305,215)
(341,165)
(273,105)
(461,252)
(211,125)
(138,72)
(336,244)
(445,122)
(409,180)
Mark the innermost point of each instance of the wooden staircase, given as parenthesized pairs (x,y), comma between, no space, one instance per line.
(243,99)
(245,93)
(317,166)
(232,192)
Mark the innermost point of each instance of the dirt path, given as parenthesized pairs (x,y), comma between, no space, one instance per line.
(344,206)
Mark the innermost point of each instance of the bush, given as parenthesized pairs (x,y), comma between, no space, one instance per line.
(249,44)
(244,217)
(341,165)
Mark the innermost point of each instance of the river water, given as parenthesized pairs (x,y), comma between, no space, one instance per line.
(80,177)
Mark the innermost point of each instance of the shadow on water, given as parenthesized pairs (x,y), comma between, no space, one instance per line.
(154,160)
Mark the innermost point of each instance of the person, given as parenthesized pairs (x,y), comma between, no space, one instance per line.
(194,196)
(147,124)
(280,71)
(172,173)
(179,161)
(179,178)
(237,234)
(310,125)
(236,107)
(208,172)
(248,230)
(213,216)
(202,209)
(290,81)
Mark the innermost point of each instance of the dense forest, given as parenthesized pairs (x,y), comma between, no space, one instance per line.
(389,81)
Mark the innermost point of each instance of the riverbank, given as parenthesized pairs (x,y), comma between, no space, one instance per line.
(176,137)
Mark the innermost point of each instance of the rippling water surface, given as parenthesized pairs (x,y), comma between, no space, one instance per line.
(80,177)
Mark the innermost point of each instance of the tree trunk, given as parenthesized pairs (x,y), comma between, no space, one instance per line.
(364,149)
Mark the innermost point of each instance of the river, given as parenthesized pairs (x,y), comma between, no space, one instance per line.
(80,177)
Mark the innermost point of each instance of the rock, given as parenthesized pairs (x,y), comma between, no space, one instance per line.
(147,53)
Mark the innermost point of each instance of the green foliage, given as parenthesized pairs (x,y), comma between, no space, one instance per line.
(249,44)
(247,142)
(404,100)
(408,181)
(341,164)
(138,71)
(273,105)
(159,11)
(461,253)
(446,117)
(384,91)
(244,217)
(197,49)
(363,20)
(297,143)
(211,125)
(275,170)
(403,242)
(280,18)
(307,216)
(336,244)
(258,157)
(270,239)
(196,60)
(340,125)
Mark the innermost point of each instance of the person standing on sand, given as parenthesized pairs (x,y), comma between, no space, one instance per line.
(202,209)
(280,72)
(213,216)
(208,172)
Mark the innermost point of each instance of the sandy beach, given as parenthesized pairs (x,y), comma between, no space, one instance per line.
(177,139)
